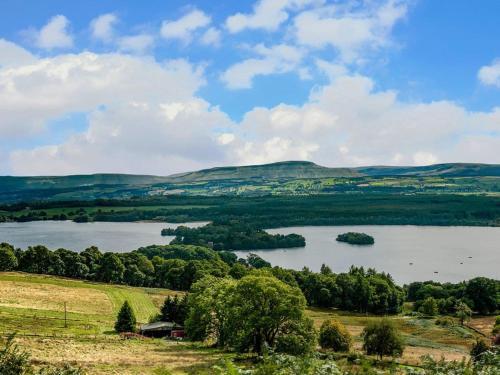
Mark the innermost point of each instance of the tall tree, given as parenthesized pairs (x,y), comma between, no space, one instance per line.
(125,321)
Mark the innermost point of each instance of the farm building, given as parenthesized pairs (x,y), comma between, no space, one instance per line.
(162,329)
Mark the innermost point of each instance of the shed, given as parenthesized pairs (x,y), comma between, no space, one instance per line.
(162,329)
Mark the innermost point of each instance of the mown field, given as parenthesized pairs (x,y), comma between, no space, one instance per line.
(33,306)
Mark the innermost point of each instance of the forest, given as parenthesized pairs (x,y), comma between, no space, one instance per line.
(273,211)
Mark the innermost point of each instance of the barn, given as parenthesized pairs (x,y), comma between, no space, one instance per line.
(162,329)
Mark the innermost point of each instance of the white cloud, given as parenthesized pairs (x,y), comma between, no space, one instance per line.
(136,43)
(267,15)
(183,28)
(351,29)
(102,27)
(143,116)
(211,37)
(11,54)
(348,123)
(277,59)
(54,34)
(490,74)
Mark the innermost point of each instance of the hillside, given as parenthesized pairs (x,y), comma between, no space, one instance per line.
(289,177)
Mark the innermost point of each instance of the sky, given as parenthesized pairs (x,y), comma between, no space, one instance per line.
(160,87)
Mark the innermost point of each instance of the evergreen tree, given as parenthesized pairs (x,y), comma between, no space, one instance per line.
(125,321)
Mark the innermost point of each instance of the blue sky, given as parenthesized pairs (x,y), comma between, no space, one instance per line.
(208,83)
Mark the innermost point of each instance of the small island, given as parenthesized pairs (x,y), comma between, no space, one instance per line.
(232,235)
(355,238)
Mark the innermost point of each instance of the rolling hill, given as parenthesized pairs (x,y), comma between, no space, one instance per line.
(226,180)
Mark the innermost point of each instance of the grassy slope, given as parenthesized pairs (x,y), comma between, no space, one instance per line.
(33,306)
(422,336)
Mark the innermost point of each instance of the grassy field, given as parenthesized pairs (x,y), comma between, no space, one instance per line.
(33,306)
(422,336)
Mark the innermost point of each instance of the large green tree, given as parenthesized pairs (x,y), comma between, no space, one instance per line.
(381,338)
(8,260)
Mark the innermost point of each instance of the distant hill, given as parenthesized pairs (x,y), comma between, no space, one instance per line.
(286,169)
(219,180)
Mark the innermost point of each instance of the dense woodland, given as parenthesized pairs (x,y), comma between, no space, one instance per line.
(274,211)
(232,235)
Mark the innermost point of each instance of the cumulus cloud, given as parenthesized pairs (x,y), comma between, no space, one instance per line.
(136,43)
(348,122)
(183,28)
(54,34)
(143,115)
(267,15)
(349,29)
(490,74)
(11,54)
(102,27)
(277,59)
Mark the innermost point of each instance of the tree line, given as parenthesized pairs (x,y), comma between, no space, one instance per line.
(178,267)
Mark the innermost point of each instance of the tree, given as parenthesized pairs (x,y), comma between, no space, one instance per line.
(209,309)
(464,312)
(112,269)
(333,335)
(262,309)
(381,338)
(429,307)
(483,293)
(13,361)
(174,309)
(125,321)
(249,314)
(8,260)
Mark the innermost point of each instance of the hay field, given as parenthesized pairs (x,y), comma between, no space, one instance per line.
(33,306)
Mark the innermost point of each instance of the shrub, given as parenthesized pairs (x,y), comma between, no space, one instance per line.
(445,321)
(429,307)
(478,348)
(333,335)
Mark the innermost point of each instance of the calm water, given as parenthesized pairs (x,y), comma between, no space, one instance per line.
(118,237)
(430,249)
(445,250)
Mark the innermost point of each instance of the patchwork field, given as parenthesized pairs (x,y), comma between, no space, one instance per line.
(33,306)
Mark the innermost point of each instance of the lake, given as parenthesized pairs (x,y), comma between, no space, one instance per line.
(455,253)
(118,237)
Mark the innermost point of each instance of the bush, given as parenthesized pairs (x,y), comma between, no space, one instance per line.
(333,335)
(445,321)
(382,338)
(125,321)
(478,348)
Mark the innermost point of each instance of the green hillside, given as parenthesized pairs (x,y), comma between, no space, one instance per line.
(289,177)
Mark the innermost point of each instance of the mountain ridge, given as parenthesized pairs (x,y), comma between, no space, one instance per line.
(294,169)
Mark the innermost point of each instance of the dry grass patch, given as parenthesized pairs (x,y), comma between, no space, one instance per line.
(115,356)
(483,324)
(52,297)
